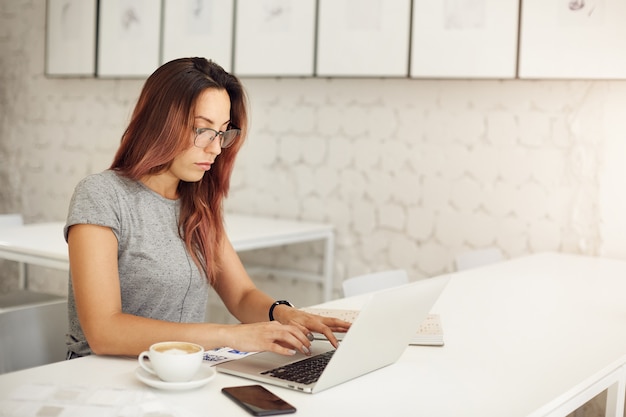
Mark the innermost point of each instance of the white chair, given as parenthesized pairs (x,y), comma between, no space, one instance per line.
(11,220)
(476,258)
(373,282)
(33,327)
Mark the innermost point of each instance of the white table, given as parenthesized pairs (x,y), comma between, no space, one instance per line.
(43,243)
(536,336)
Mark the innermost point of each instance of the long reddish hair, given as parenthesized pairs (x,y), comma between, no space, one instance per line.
(160,129)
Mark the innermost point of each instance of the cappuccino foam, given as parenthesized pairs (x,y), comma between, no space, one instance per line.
(177,349)
(176,352)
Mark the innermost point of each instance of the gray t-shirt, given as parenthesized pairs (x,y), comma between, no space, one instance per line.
(158,278)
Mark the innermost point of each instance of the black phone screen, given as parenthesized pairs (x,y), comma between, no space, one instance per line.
(258,401)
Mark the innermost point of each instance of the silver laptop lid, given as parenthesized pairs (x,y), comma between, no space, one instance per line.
(382,330)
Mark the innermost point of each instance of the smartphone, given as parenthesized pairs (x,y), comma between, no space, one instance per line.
(258,401)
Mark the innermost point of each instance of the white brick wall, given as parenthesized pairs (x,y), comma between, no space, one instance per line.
(410,172)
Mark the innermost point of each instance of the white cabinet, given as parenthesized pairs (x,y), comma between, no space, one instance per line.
(496,39)
(275,38)
(128,38)
(580,39)
(202,28)
(71,37)
(464,39)
(363,38)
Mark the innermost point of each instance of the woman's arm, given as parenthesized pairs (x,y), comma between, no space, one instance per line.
(109,331)
(249,304)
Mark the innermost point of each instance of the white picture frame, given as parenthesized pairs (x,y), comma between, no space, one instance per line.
(71,37)
(368,38)
(275,38)
(198,28)
(575,39)
(128,38)
(464,39)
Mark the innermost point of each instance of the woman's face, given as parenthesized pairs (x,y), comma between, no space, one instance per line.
(212,110)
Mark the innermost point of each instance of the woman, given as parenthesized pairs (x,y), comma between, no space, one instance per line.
(146,237)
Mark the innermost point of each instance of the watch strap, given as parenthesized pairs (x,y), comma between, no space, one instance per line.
(277,303)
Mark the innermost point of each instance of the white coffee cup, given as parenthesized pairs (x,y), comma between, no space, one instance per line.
(172,361)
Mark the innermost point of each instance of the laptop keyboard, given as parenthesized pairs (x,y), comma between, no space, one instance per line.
(306,371)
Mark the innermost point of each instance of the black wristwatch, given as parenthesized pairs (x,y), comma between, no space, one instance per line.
(277,303)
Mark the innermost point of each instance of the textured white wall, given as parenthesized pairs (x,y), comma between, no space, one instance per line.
(411,172)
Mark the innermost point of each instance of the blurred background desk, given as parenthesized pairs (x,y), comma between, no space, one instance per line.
(43,243)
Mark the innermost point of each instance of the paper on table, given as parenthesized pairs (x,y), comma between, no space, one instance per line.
(35,400)
(430,332)
(223,354)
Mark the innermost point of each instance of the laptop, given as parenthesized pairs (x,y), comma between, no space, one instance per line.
(377,338)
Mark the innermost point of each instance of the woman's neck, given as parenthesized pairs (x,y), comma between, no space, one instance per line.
(162,184)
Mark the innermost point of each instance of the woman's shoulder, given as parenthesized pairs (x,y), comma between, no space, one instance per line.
(106,180)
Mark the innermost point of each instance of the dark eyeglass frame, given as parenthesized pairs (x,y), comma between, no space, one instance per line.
(227,137)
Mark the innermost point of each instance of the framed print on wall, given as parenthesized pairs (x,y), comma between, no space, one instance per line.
(202,28)
(573,39)
(464,38)
(363,38)
(128,38)
(71,37)
(275,37)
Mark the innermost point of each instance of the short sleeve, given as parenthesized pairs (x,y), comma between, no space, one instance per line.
(95,202)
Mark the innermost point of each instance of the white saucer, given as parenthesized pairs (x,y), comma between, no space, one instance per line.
(204,375)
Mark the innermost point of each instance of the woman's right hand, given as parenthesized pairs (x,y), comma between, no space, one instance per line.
(270,336)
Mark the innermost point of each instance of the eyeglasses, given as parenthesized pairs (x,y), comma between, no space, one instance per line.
(205,136)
